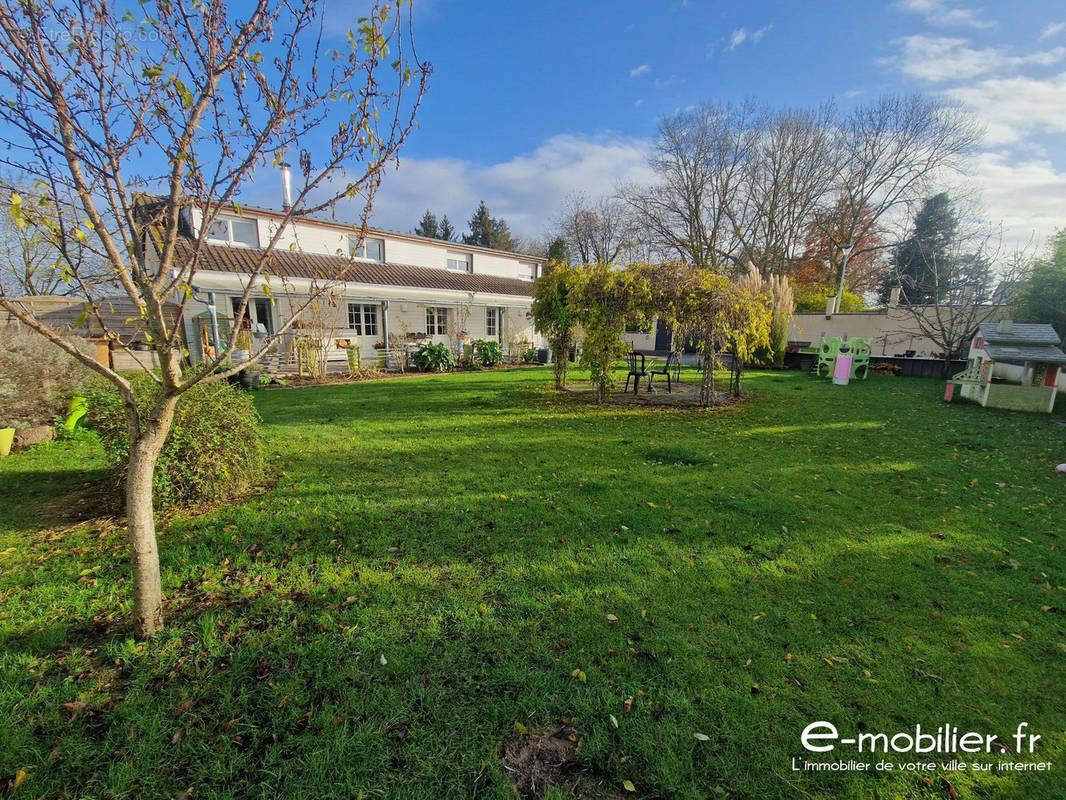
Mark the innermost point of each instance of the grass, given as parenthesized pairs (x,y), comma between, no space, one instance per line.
(439,562)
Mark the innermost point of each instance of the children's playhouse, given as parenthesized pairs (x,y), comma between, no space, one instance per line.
(1011,366)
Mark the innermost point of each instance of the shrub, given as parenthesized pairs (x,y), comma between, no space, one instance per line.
(812,299)
(530,356)
(488,353)
(434,357)
(213,450)
(37,378)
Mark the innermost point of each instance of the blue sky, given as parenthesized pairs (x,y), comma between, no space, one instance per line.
(531,100)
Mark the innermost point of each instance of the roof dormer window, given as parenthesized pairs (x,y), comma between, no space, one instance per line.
(370,249)
(244,232)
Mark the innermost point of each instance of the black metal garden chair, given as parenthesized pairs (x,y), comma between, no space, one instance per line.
(636,370)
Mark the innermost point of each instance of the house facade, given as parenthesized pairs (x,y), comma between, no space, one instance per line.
(379,291)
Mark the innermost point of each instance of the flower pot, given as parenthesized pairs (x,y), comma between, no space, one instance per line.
(7,436)
(239,356)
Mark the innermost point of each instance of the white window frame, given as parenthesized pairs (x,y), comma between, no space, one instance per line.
(363,319)
(436,320)
(527,270)
(359,249)
(229,222)
(492,322)
(452,258)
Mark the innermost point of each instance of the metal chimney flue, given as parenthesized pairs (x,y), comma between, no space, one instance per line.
(286,186)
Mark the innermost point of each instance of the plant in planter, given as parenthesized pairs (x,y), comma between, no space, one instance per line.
(242,347)
(488,353)
(434,357)
(529,356)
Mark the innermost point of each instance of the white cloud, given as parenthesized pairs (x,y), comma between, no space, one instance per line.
(636,72)
(1025,196)
(526,190)
(1014,108)
(741,35)
(937,59)
(1052,29)
(944,13)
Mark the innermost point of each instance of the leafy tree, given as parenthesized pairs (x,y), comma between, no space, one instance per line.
(923,262)
(489,231)
(556,249)
(556,312)
(427,226)
(812,299)
(445,230)
(1042,298)
(746,322)
(611,301)
(822,257)
(101,106)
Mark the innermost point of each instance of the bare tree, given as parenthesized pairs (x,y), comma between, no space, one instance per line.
(30,263)
(699,157)
(965,281)
(887,155)
(188,101)
(595,230)
(788,174)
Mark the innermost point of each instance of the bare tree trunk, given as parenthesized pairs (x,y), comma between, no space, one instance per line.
(140,518)
(707,396)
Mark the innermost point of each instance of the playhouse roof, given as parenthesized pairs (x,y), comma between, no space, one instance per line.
(1038,354)
(1020,335)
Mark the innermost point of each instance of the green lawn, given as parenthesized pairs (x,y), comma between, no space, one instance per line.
(441,562)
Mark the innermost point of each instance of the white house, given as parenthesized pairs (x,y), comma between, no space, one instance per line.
(393,287)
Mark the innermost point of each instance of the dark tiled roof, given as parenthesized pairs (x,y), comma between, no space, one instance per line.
(1042,354)
(296,264)
(1022,334)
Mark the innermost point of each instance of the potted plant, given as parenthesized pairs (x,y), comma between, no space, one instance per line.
(243,347)
(7,436)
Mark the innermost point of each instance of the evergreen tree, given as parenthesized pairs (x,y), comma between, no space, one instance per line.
(445,230)
(489,231)
(923,263)
(427,226)
(480,227)
(557,250)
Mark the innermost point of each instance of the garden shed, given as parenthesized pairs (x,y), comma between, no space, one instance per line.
(1014,366)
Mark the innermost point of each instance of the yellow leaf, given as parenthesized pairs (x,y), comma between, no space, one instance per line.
(652,505)
(628,786)
(20,777)
(518,726)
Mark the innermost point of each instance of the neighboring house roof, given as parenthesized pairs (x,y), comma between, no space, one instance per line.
(153,202)
(1021,334)
(317,266)
(1041,354)
(67,314)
